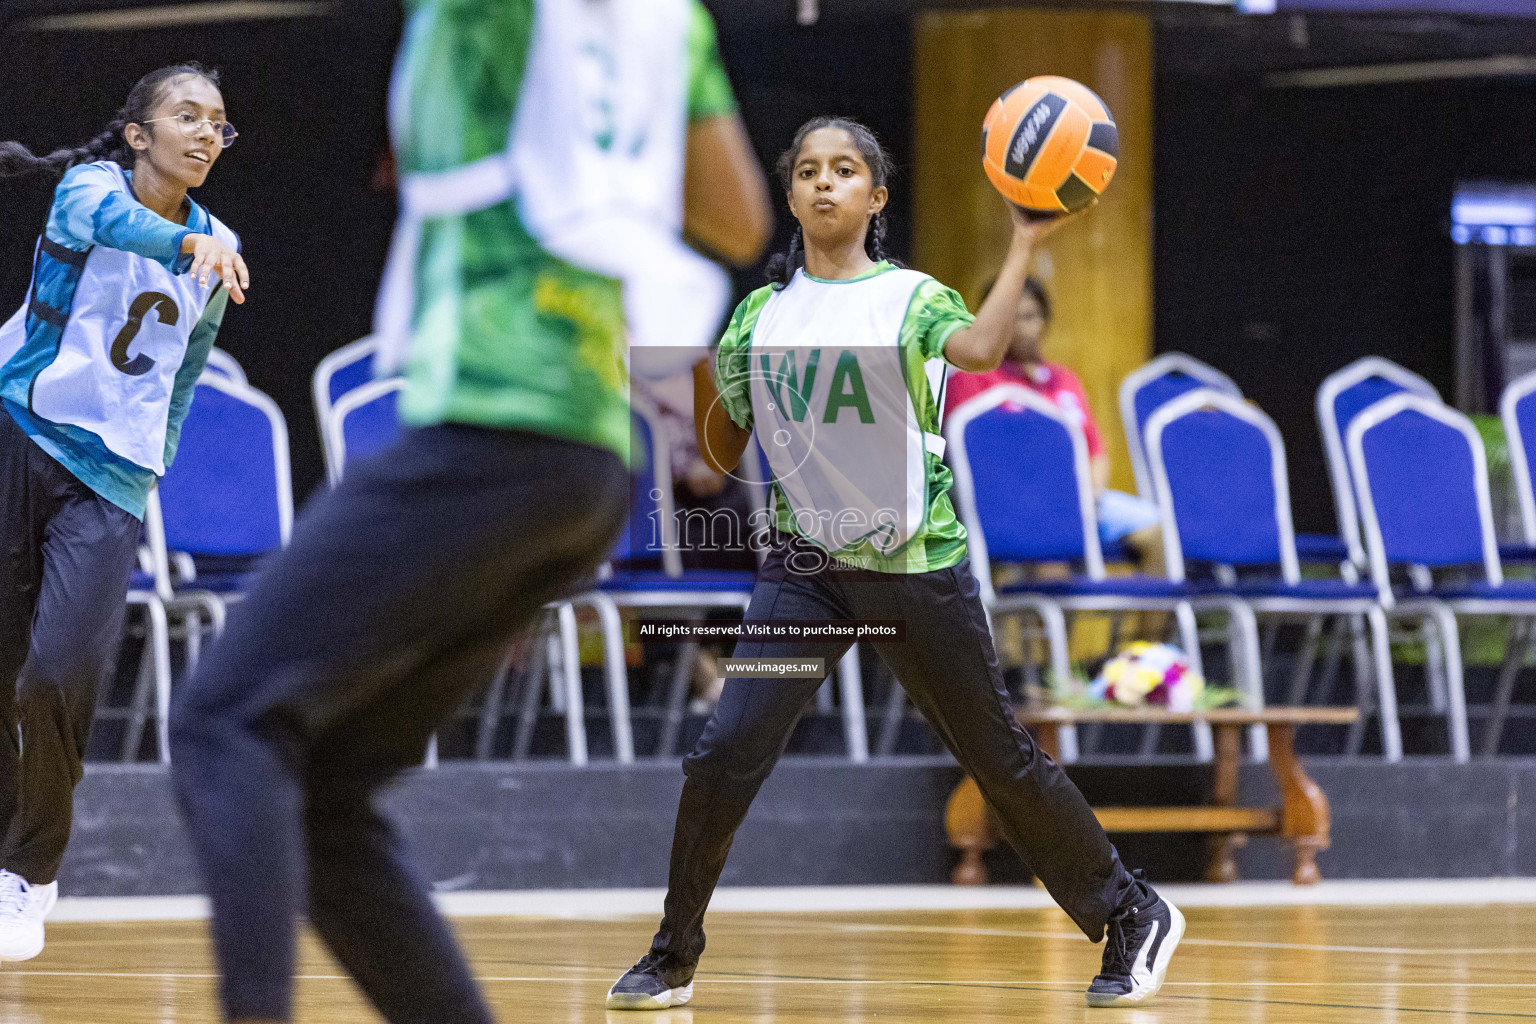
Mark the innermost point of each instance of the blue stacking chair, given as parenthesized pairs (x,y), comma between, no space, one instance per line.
(363,420)
(1343,395)
(1165,378)
(1218,465)
(1146,388)
(228,497)
(1025,495)
(1517,410)
(341,371)
(1420,473)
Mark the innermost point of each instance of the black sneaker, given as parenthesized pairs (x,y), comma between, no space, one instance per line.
(658,981)
(1141,941)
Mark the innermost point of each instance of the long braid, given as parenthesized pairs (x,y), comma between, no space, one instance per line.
(17,160)
(876,242)
(782,266)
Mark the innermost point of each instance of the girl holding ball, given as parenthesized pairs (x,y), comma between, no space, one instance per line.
(837,366)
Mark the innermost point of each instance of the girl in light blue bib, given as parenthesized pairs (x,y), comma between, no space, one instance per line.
(130,279)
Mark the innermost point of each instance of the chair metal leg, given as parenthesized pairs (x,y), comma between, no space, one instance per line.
(1386,687)
(553,660)
(193,627)
(1450,648)
(850,684)
(1360,652)
(1306,658)
(1189,639)
(138,705)
(532,693)
(1247,669)
(157,634)
(890,720)
(1332,659)
(575,711)
(824,700)
(677,698)
(161,635)
(615,673)
(490,711)
(1057,645)
(1434,672)
(1521,640)
(1365,697)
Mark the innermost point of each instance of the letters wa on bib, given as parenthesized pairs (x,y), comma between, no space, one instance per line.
(841,381)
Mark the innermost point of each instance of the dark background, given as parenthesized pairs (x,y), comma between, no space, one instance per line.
(1296,229)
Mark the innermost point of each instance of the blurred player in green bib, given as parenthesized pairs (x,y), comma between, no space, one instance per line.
(543,147)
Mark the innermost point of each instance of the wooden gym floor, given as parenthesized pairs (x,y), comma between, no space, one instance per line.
(1262,965)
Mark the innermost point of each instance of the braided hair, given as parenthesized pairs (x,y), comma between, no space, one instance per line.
(17,160)
(782,266)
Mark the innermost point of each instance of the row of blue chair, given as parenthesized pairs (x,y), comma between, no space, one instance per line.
(1410,483)
(227,500)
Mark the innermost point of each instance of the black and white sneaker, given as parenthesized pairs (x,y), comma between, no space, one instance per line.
(658,981)
(1141,941)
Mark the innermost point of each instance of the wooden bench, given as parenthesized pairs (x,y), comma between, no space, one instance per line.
(1302,817)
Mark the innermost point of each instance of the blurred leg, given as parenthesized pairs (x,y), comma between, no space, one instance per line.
(353,645)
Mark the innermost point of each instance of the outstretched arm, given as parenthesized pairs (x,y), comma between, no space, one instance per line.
(981,346)
(89,209)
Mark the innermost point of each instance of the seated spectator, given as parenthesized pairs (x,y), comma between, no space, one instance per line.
(1124,519)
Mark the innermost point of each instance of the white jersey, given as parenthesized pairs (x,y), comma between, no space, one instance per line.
(120,348)
(833,411)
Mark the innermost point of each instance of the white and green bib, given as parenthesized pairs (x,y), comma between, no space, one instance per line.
(834,413)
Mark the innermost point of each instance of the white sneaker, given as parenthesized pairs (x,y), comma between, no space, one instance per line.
(22,910)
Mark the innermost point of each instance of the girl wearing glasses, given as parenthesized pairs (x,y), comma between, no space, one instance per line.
(130,280)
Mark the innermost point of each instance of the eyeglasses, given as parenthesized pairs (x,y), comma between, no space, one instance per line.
(190,127)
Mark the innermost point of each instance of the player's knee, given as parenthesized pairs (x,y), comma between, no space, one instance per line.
(729,768)
(50,683)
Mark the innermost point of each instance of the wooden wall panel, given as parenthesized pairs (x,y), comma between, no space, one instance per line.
(1099,270)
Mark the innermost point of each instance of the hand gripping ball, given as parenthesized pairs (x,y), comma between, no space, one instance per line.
(1050,145)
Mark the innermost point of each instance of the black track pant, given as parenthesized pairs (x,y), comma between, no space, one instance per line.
(66,554)
(948,668)
(398,595)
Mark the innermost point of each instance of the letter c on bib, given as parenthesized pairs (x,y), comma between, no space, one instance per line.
(156,302)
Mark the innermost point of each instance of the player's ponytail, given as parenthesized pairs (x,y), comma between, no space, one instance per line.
(17,160)
(782,266)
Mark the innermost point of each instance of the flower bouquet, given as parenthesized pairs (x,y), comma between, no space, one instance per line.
(1143,674)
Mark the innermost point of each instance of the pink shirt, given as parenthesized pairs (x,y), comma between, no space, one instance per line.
(1055,382)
